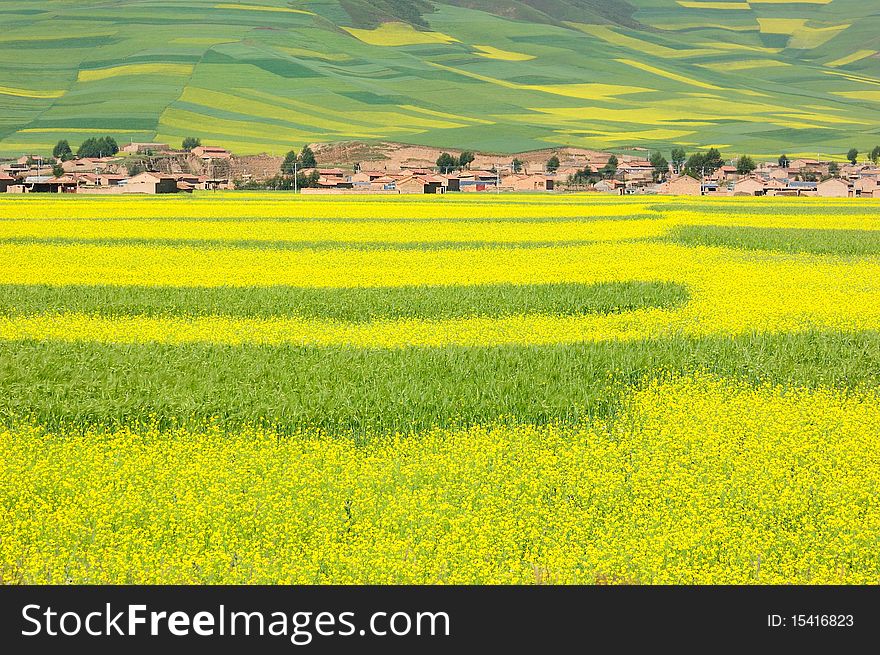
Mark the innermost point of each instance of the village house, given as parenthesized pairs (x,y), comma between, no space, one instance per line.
(682,185)
(477,181)
(421,184)
(636,171)
(141,148)
(150,182)
(748,187)
(6,181)
(726,173)
(25,160)
(383,183)
(332,178)
(453,182)
(108,179)
(610,186)
(364,178)
(527,182)
(833,188)
(208,153)
(86,165)
(798,188)
(46,184)
(866,187)
(800,166)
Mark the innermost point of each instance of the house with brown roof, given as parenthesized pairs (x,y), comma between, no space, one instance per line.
(833,188)
(866,187)
(748,187)
(421,184)
(610,186)
(140,148)
(6,181)
(682,185)
(151,183)
(334,182)
(207,153)
(527,182)
(726,173)
(49,184)
(383,183)
(800,166)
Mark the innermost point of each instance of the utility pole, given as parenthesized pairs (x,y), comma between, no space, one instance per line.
(295,185)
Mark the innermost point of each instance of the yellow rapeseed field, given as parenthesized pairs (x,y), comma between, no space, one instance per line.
(702,481)
(261,388)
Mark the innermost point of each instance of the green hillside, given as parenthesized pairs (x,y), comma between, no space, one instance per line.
(759,76)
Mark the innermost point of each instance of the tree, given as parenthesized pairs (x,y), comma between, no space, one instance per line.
(109,146)
(103,147)
(516,165)
(62,150)
(553,164)
(875,155)
(703,163)
(660,165)
(713,160)
(309,181)
(135,167)
(89,148)
(853,156)
(678,158)
(745,165)
(58,170)
(695,166)
(610,169)
(833,168)
(191,142)
(446,163)
(584,177)
(307,158)
(465,159)
(784,161)
(289,164)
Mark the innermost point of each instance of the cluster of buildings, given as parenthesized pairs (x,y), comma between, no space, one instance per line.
(802,177)
(583,171)
(205,153)
(108,175)
(423,180)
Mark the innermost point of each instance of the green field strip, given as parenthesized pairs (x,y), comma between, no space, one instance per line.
(80,386)
(789,207)
(241,53)
(854,243)
(354,305)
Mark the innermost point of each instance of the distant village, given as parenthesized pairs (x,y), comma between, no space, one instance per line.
(157,168)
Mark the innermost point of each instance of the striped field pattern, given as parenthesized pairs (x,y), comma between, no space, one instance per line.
(503,76)
(260,388)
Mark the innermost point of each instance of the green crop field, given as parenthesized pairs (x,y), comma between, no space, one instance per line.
(752,76)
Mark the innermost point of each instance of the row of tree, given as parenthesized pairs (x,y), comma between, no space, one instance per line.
(292,176)
(447,163)
(294,162)
(96,147)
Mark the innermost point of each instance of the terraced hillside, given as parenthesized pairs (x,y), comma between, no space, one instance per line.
(757,76)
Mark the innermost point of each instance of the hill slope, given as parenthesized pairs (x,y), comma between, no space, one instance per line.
(759,76)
